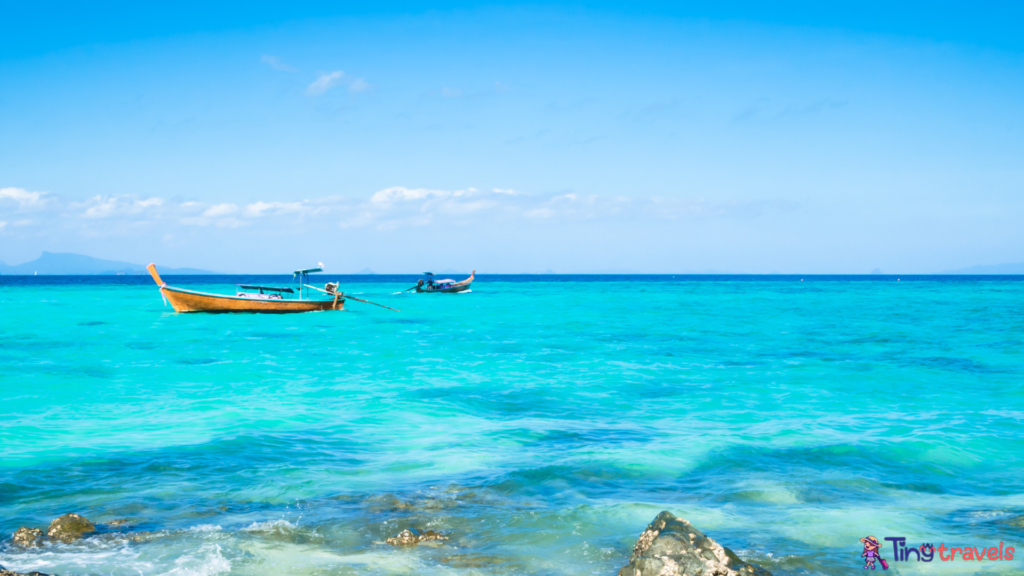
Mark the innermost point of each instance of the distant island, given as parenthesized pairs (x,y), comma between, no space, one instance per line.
(1008,269)
(65,264)
(68,264)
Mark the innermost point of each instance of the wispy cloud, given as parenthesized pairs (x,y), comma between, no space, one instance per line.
(276,63)
(220,210)
(325,82)
(655,111)
(400,206)
(358,85)
(100,207)
(813,108)
(263,209)
(764,109)
(453,92)
(22,199)
(388,209)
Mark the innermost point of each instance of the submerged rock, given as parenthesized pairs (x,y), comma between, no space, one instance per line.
(412,537)
(388,503)
(142,536)
(6,572)
(1016,521)
(474,560)
(119,522)
(69,528)
(27,537)
(671,546)
(128,536)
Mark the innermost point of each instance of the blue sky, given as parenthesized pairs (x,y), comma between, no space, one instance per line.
(741,137)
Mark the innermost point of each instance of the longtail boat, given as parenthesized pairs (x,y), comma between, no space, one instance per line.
(447,285)
(259,299)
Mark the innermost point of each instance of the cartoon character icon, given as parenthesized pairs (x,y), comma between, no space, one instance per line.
(870,554)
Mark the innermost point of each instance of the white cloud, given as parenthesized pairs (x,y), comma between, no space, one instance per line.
(403,194)
(276,63)
(24,199)
(260,209)
(387,209)
(324,82)
(399,206)
(110,206)
(220,210)
(358,85)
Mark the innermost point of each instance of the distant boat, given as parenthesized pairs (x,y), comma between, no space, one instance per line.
(447,285)
(260,299)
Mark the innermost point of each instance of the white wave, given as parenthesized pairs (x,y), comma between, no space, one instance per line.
(207,562)
(91,555)
(305,559)
(279,525)
(205,528)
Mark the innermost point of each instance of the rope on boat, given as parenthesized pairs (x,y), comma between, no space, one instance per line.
(343,295)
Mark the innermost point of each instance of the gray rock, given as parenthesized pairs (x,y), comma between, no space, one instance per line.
(671,546)
(27,537)
(69,528)
(412,537)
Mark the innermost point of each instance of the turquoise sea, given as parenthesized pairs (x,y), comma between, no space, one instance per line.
(539,421)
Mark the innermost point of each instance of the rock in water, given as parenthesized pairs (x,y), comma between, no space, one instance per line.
(69,528)
(671,546)
(412,537)
(27,537)
(5,572)
(1017,521)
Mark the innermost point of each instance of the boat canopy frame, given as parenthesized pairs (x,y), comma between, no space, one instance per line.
(267,288)
(302,276)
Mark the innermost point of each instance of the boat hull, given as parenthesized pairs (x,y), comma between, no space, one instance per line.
(451,290)
(191,301)
(452,287)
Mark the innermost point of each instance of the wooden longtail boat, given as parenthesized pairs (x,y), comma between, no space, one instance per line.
(446,285)
(192,301)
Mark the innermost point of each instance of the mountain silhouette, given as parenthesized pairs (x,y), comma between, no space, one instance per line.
(67,264)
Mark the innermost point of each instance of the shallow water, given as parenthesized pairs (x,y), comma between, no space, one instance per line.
(540,422)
